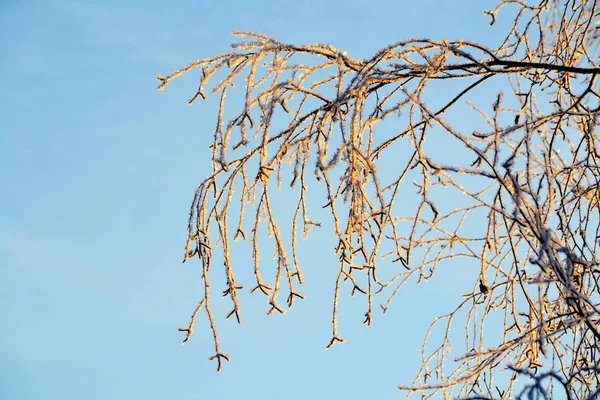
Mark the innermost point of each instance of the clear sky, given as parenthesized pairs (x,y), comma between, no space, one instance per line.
(97,171)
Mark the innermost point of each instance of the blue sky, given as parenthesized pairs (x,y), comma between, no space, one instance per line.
(98,170)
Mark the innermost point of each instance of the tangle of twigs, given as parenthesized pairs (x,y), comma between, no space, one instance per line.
(527,183)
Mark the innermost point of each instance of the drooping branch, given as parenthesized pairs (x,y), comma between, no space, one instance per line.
(517,201)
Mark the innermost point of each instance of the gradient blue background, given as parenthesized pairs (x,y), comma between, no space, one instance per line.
(97,171)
